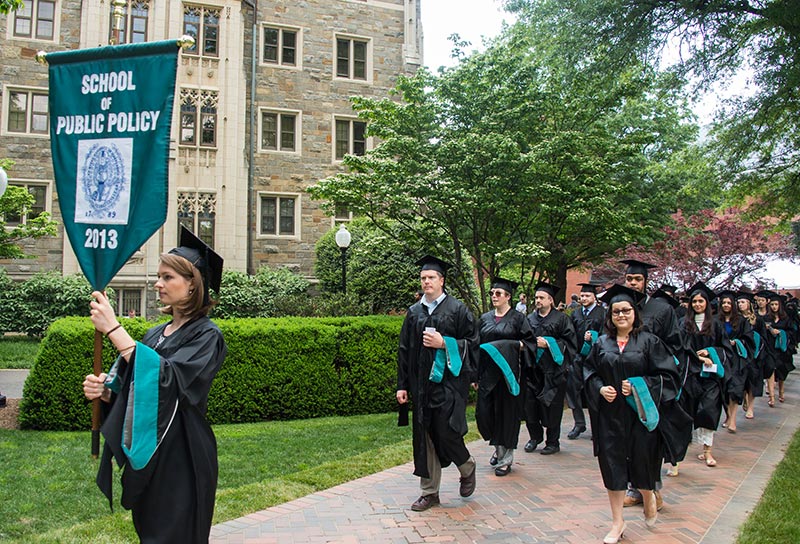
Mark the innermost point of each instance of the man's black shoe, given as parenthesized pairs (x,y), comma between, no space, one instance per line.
(467,487)
(493,460)
(576,431)
(502,471)
(550,450)
(425,502)
(2,400)
(530,446)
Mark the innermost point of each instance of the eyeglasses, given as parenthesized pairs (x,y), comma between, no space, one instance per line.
(622,311)
(497,293)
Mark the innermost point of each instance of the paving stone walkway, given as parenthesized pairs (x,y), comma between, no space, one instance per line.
(546,499)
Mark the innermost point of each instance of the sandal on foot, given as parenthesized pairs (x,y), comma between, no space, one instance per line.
(731,430)
(711,462)
(780,399)
(749,415)
(672,472)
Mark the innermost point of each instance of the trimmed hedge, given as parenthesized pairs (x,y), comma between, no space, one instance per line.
(276,369)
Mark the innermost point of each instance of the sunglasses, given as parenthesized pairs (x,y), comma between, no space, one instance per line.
(622,311)
(497,293)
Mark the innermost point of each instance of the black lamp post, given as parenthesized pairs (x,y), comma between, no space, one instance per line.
(343,241)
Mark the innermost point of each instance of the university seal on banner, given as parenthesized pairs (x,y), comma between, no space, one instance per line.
(104,178)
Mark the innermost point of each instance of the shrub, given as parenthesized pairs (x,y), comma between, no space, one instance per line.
(285,368)
(242,295)
(31,306)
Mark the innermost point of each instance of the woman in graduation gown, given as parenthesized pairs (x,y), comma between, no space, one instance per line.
(505,336)
(761,300)
(629,375)
(740,334)
(163,441)
(709,351)
(754,377)
(783,332)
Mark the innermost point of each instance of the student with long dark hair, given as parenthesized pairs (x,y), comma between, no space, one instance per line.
(629,376)
(740,334)
(709,352)
(783,332)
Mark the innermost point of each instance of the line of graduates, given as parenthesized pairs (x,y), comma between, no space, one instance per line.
(648,377)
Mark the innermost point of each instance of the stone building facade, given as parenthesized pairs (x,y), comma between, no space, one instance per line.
(261,112)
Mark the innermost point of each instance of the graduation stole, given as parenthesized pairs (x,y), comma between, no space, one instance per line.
(757,342)
(683,378)
(714,356)
(448,356)
(740,349)
(140,429)
(642,403)
(587,345)
(505,368)
(555,351)
(781,342)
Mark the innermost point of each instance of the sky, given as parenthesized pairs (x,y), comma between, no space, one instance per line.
(471,19)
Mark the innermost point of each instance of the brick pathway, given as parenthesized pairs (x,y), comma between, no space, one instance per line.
(553,499)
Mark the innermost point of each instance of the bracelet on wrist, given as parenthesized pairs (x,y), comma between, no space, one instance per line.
(119,325)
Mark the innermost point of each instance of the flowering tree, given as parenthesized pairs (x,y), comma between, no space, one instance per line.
(719,248)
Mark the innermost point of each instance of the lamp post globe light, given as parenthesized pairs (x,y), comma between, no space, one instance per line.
(3,182)
(343,241)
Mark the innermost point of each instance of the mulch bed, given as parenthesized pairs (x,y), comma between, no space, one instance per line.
(9,413)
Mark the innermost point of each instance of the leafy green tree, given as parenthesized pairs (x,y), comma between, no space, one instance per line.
(380,269)
(518,159)
(757,135)
(15,202)
(7,6)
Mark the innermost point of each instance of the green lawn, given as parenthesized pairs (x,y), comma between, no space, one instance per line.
(18,351)
(776,519)
(50,494)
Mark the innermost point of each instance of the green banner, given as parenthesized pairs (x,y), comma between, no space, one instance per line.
(110,119)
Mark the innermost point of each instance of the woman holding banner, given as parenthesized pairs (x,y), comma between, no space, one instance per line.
(629,375)
(163,440)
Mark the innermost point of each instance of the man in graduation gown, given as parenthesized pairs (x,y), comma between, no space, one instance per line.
(546,378)
(659,318)
(588,322)
(435,366)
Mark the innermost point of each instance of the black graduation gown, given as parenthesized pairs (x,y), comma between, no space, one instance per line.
(437,408)
(739,365)
(659,318)
(770,353)
(172,496)
(784,357)
(626,450)
(754,378)
(595,321)
(702,396)
(546,380)
(498,413)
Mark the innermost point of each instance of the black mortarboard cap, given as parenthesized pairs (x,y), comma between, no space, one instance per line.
(764,293)
(547,288)
(507,285)
(703,289)
(637,267)
(741,293)
(669,289)
(618,292)
(205,259)
(589,288)
(776,296)
(666,297)
(727,293)
(428,262)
